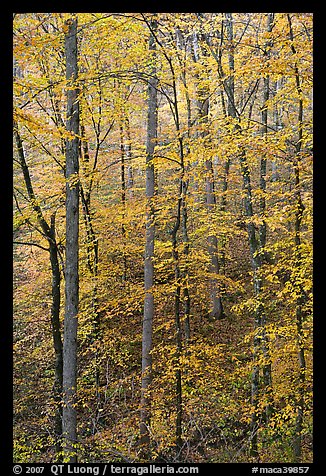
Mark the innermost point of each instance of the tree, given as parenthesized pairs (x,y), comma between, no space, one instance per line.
(48,231)
(206,119)
(69,417)
(299,291)
(147,333)
(216,304)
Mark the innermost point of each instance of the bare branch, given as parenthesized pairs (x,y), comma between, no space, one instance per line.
(30,244)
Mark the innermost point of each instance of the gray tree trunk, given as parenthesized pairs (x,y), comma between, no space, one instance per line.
(147,332)
(123,201)
(92,245)
(185,273)
(277,113)
(297,442)
(259,316)
(216,305)
(216,310)
(181,220)
(267,367)
(226,108)
(130,175)
(181,45)
(69,420)
(177,275)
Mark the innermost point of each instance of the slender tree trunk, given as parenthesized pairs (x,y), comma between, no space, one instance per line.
(69,420)
(267,367)
(226,111)
(185,274)
(49,234)
(263,160)
(123,201)
(181,220)
(223,239)
(85,196)
(145,411)
(182,216)
(297,443)
(277,126)
(229,83)
(259,307)
(253,242)
(92,262)
(254,245)
(92,241)
(130,175)
(216,310)
(178,374)
(181,45)
(56,333)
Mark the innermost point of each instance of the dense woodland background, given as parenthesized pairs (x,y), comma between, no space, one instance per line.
(179,147)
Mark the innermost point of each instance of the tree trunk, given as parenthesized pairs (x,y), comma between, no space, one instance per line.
(229,83)
(130,175)
(223,239)
(267,367)
(297,443)
(49,234)
(185,274)
(259,316)
(69,421)
(182,216)
(178,375)
(92,261)
(226,111)
(56,334)
(181,45)
(123,202)
(145,412)
(254,245)
(216,310)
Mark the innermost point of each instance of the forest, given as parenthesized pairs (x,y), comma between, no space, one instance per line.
(162,237)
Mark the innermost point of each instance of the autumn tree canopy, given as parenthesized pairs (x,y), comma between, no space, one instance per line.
(162,171)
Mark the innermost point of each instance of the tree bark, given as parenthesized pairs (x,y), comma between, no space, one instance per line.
(297,442)
(181,45)
(226,111)
(277,124)
(56,333)
(259,315)
(253,243)
(178,375)
(123,202)
(181,221)
(147,332)
(185,274)
(92,256)
(69,421)
(267,367)
(49,233)
(130,175)
(216,310)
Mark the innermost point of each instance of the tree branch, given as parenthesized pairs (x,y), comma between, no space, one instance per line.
(30,244)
